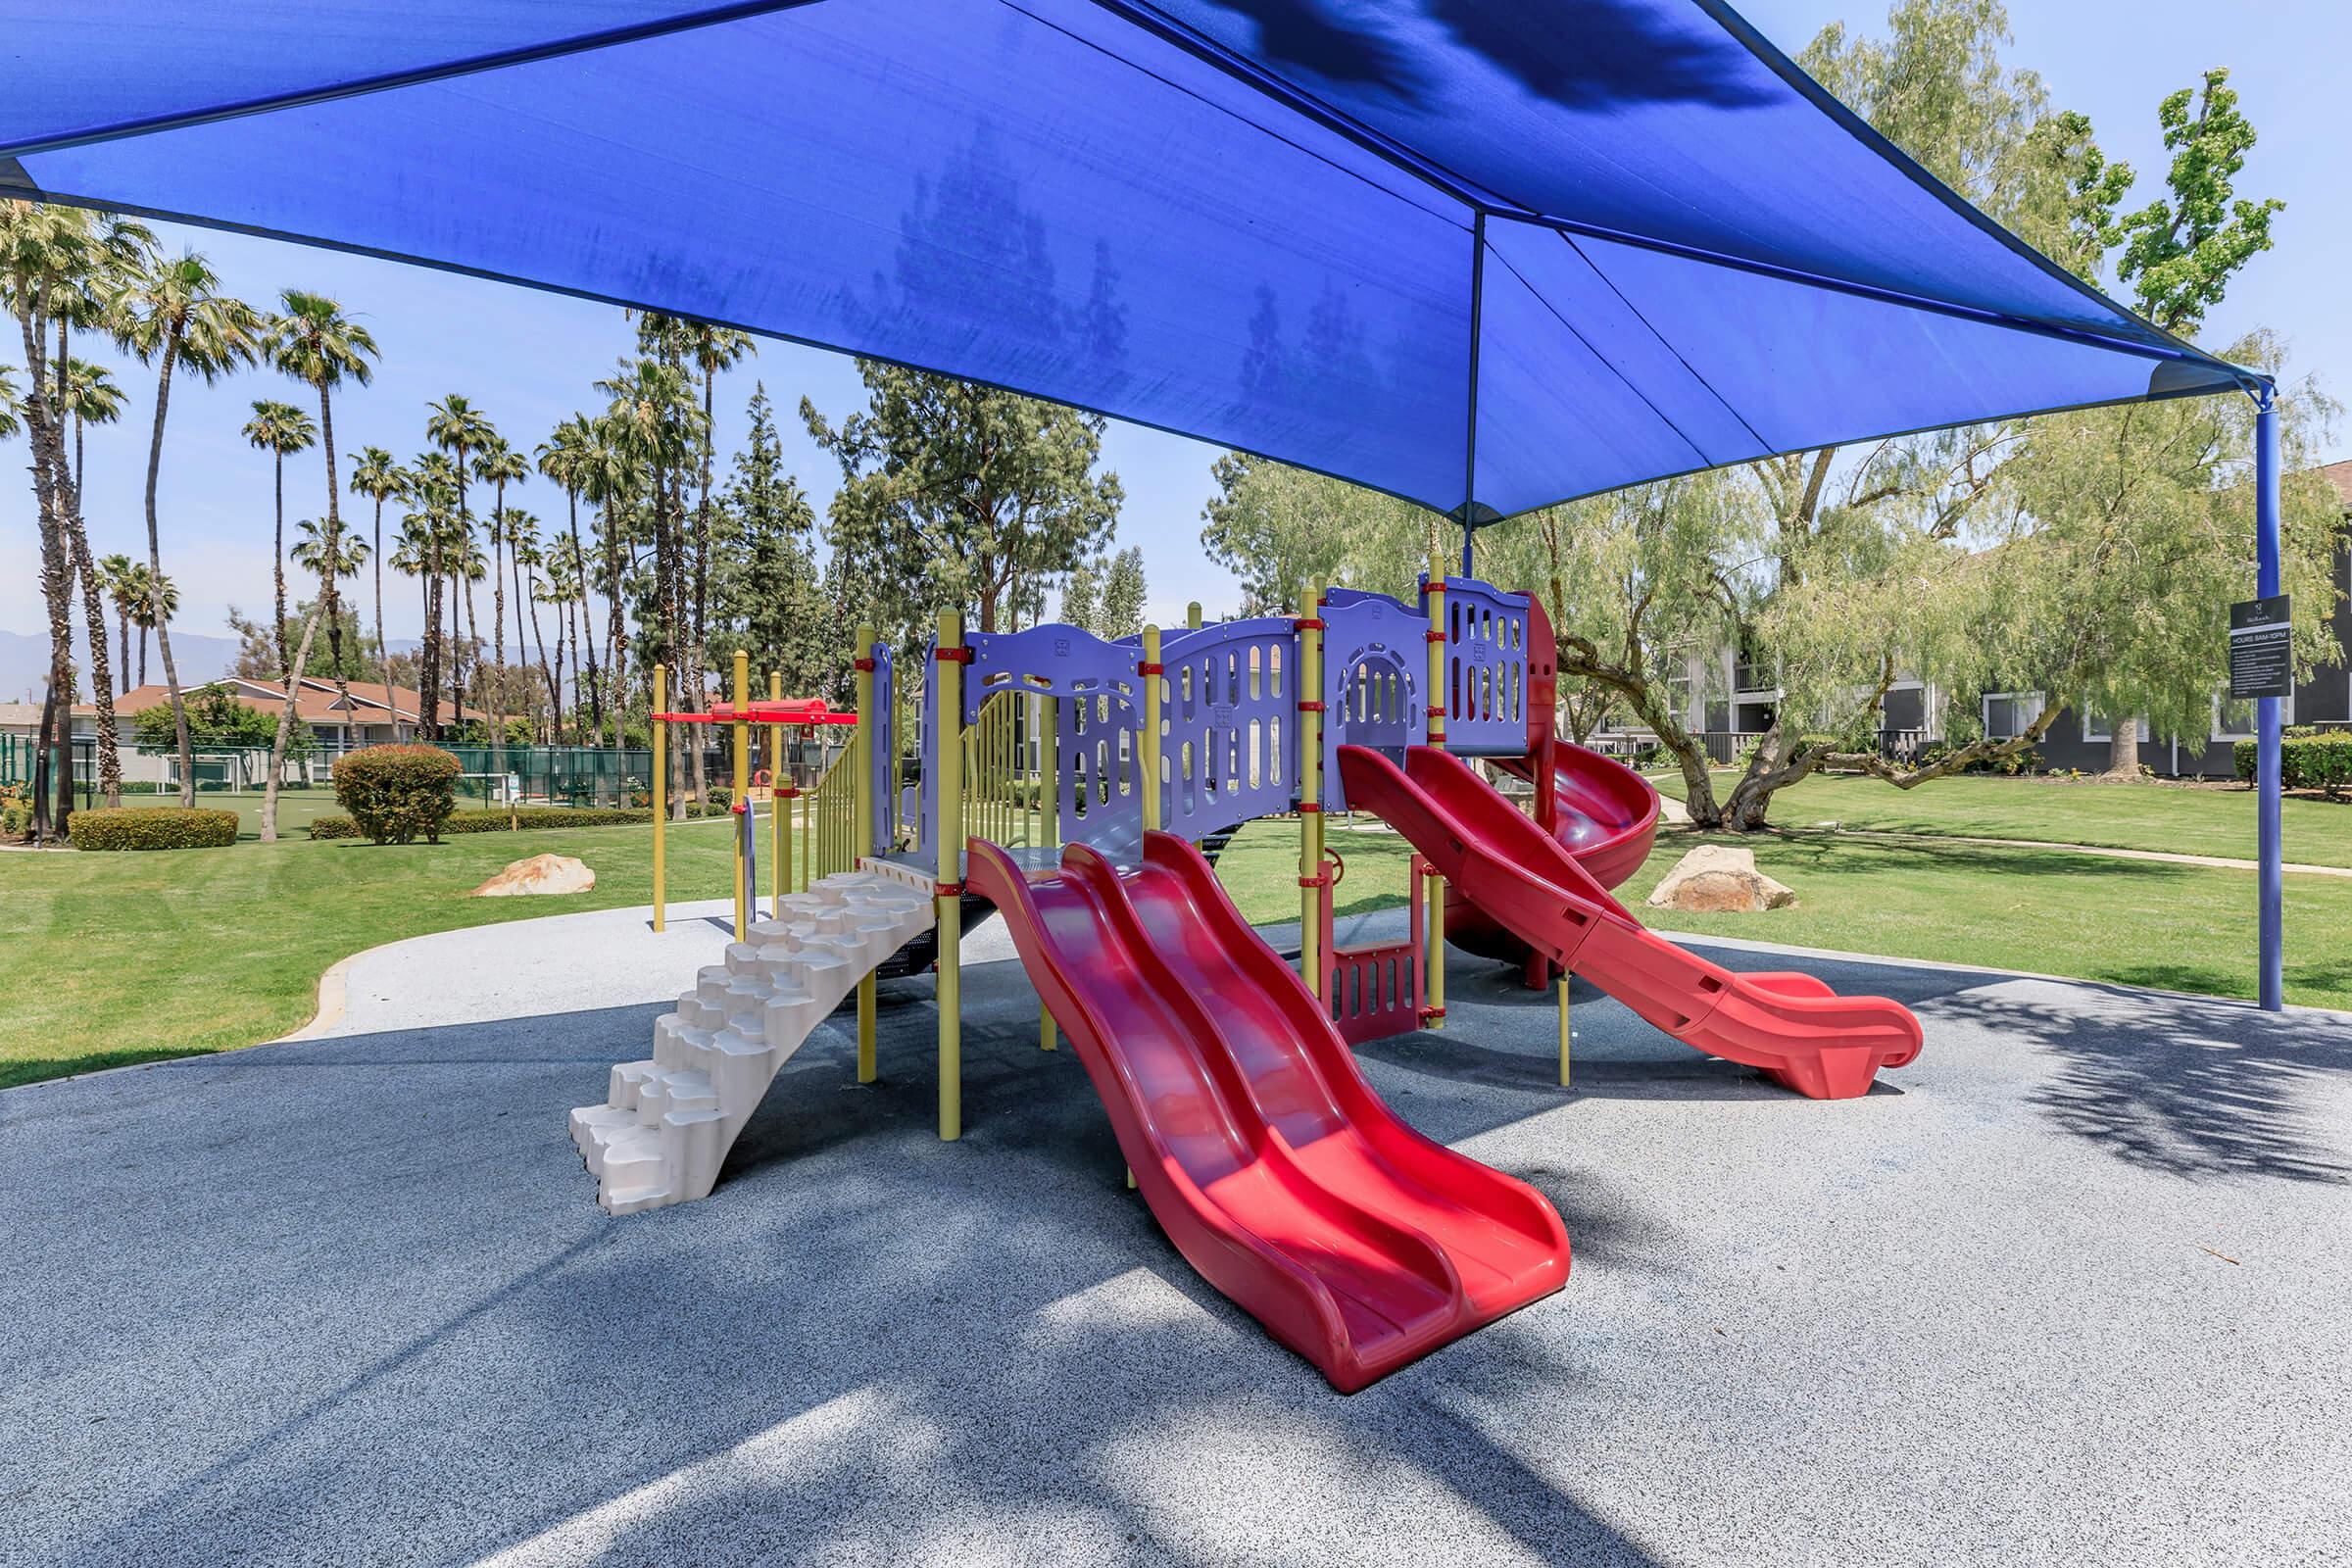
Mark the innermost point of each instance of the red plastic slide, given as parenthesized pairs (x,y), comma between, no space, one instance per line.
(1269,1161)
(1790,1026)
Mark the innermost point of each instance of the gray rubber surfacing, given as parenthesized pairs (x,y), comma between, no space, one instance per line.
(2071,1290)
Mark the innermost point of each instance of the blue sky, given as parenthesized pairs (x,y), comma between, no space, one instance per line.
(527,358)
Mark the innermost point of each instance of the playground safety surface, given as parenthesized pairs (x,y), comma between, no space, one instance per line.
(2067,1290)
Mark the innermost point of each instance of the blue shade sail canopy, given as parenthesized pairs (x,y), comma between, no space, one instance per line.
(1457,250)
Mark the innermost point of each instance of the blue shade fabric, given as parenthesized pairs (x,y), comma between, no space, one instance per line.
(1444,247)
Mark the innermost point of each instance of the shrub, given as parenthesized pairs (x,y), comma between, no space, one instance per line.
(497,819)
(15,811)
(394,792)
(151,827)
(2317,760)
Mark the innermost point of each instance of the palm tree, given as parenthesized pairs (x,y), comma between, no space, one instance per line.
(172,315)
(379,476)
(281,429)
(437,481)
(523,530)
(467,566)
(567,588)
(316,344)
(58,266)
(116,573)
(656,429)
(458,428)
(714,349)
(569,457)
(91,398)
(413,557)
(158,603)
(499,463)
(312,553)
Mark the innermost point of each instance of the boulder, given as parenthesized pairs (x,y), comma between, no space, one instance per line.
(541,873)
(1720,878)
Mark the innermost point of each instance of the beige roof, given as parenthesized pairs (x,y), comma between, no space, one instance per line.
(372,702)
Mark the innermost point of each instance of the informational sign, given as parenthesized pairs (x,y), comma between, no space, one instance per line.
(2262,661)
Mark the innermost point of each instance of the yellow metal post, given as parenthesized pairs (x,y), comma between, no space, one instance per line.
(1567,1034)
(779,837)
(1048,812)
(1308,677)
(661,788)
(862,828)
(1150,759)
(1434,962)
(742,775)
(1192,615)
(948,744)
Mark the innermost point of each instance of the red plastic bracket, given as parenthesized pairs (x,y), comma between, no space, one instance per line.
(949,890)
(1433,636)
(952,656)
(1304,807)
(1432,1012)
(1307,624)
(1319,880)
(1151,669)
(1310,708)
(863,667)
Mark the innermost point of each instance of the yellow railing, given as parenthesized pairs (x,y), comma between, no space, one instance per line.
(828,822)
(999,783)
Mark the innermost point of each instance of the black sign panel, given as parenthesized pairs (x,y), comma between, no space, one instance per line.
(2262,661)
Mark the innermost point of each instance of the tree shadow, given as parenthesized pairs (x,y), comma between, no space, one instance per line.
(2193,1088)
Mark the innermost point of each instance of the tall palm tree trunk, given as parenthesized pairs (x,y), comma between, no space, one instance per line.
(596,709)
(277,571)
(102,675)
(383,649)
(554,694)
(155,566)
(330,546)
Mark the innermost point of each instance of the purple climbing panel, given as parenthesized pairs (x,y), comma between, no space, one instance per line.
(884,780)
(1098,696)
(1486,669)
(1375,663)
(1228,727)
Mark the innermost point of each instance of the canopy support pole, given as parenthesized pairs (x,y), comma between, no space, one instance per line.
(1478,303)
(2272,978)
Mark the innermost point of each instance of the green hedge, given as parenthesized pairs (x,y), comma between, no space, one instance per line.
(523,818)
(151,827)
(397,793)
(2321,761)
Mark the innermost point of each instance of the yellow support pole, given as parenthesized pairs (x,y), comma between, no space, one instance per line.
(949,672)
(862,828)
(1049,814)
(779,837)
(1149,749)
(1308,677)
(1567,1034)
(1433,961)
(742,774)
(660,789)
(1191,615)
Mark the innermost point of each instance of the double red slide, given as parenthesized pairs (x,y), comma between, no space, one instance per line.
(1790,1026)
(1268,1161)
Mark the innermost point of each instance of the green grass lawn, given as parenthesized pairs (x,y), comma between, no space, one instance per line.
(122,958)
(2047,911)
(2127,817)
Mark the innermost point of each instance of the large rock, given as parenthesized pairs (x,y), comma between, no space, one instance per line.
(1717,879)
(541,873)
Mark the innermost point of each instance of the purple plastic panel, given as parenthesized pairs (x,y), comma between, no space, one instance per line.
(926,838)
(1097,721)
(1375,660)
(1486,669)
(883,784)
(1229,723)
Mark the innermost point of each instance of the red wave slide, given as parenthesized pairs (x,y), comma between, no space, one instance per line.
(1268,1161)
(1790,1026)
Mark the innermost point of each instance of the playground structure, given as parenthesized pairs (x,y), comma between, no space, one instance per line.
(1071,783)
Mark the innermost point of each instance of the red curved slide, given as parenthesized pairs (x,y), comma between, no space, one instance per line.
(1607,814)
(1790,1026)
(1269,1161)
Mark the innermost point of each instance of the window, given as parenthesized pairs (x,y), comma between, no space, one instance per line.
(2103,729)
(2009,715)
(2234,717)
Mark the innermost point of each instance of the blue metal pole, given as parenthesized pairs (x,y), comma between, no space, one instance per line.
(2272,978)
